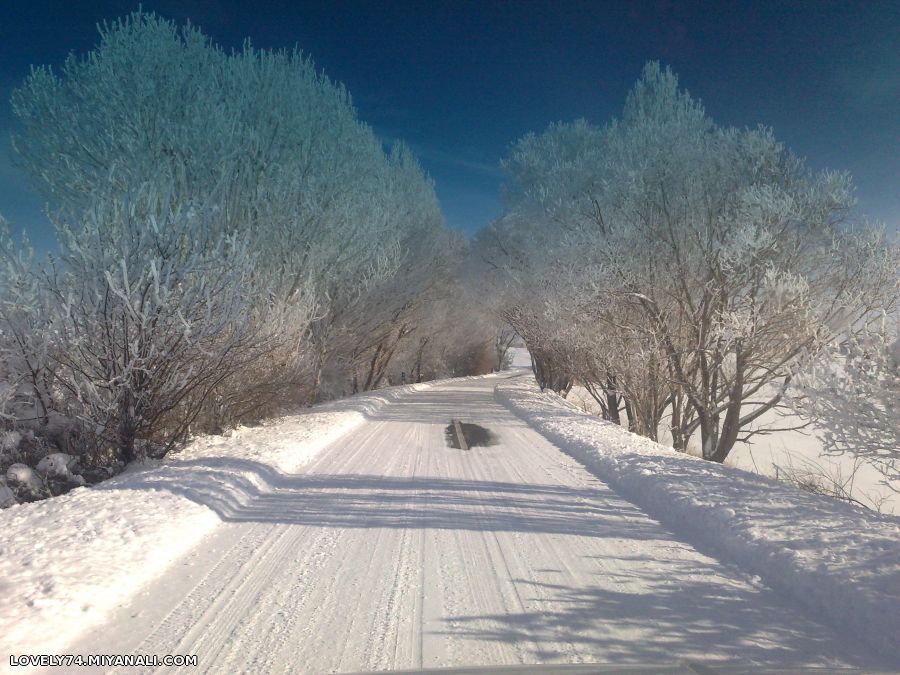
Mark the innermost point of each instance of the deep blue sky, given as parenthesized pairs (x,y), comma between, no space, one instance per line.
(460,81)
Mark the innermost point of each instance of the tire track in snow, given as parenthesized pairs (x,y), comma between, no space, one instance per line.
(524,546)
(209,614)
(366,614)
(329,624)
(473,584)
(384,650)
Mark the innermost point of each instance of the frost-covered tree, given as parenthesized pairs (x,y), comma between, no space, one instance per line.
(27,337)
(508,260)
(372,309)
(240,143)
(707,254)
(504,337)
(254,144)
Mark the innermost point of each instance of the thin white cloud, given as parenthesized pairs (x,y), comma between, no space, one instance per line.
(433,155)
(459,161)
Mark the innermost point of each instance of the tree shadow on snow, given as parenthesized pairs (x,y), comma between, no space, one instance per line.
(661,605)
(439,406)
(246,491)
(649,610)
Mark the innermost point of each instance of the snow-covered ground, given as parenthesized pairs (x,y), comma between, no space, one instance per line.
(67,561)
(837,560)
(800,454)
(352,538)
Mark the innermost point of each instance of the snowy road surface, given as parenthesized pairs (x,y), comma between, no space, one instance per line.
(393,550)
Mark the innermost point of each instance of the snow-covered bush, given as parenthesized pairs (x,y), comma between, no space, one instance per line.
(30,469)
(151,318)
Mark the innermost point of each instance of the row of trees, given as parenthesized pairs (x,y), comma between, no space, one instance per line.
(684,273)
(233,242)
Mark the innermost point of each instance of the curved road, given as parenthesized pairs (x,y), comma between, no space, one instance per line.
(394,550)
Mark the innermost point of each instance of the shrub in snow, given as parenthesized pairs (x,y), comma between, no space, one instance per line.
(57,464)
(9,441)
(32,468)
(29,449)
(60,473)
(25,483)
(151,319)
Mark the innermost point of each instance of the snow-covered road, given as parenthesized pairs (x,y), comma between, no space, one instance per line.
(393,550)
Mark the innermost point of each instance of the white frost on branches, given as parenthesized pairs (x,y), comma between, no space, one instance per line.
(681,271)
(230,233)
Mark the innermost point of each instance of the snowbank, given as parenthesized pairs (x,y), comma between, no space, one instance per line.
(289,443)
(66,561)
(788,452)
(840,561)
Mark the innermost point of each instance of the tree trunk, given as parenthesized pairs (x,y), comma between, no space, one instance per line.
(419,354)
(613,400)
(317,379)
(676,425)
(629,414)
(127,429)
(373,363)
(321,354)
